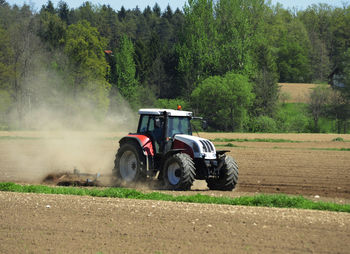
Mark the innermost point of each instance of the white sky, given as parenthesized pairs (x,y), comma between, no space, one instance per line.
(130,4)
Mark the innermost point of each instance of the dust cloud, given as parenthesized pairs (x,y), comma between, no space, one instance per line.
(64,132)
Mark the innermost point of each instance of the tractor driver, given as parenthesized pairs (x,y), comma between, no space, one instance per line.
(158,131)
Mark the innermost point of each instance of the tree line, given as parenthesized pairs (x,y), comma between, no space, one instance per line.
(222,59)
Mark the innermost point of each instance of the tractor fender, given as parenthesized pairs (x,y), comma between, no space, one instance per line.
(144,142)
(180,145)
(221,152)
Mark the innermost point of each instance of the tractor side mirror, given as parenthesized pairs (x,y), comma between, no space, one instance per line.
(204,125)
(157,123)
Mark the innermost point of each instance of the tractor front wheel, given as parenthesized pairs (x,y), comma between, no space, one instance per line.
(128,163)
(179,172)
(228,177)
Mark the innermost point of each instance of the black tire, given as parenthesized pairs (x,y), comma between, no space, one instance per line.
(179,172)
(228,176)
(128,164)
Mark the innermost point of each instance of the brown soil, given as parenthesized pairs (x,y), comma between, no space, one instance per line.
(286,136)
(304,172)
(86,224)
(318,145)
(298,92)
(32,223)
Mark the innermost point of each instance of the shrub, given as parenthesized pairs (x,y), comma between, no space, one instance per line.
(299,123)
(339,139)
(264,124)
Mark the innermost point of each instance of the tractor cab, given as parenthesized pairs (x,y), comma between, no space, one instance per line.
(161,125)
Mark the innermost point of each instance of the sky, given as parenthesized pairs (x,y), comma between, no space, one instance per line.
(130,4)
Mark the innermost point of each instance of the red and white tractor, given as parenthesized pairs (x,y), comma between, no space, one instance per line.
(164,145)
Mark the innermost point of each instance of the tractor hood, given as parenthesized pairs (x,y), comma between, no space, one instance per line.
(201,147)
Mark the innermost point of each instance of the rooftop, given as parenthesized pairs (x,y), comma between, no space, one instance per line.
(159,111)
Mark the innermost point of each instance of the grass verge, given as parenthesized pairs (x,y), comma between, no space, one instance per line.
(331,149)
(228,145)
(278,200)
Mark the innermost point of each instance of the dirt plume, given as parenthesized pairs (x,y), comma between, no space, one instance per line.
(31,158)
(72,125)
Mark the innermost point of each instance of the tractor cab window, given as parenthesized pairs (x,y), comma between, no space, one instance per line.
(154,125)
(143,125)
(179,125)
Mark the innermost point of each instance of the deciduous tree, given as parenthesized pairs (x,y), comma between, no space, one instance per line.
(224,101)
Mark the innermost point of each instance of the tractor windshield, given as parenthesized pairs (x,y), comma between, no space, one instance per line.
(179,125)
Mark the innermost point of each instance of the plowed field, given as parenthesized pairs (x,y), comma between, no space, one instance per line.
(52,223)
(297,92)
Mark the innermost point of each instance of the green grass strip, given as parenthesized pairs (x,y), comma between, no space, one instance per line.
(228,145)
(278,200)
(340,139)
(255,140)
(331,149)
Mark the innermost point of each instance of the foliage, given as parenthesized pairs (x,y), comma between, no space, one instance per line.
(88,67)
(293,61)
(154,56)
(319,98)
(171,103)
(266,88)
(125,70)
(263,124)
(198,52)
(6,53)
(293,117)
(224,101)
(5,105)
(264,200)
(84,47)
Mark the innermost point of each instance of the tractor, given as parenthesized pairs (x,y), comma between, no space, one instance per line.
(164,148)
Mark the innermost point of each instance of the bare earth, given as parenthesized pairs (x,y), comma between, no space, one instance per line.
(70,224)
(298,92)
(32,223)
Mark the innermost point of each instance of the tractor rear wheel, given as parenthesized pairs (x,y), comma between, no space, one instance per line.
(228,177)
(179,172)
(128,163)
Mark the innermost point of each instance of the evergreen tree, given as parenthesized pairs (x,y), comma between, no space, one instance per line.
(121,14)
(156,10)
(63,12)
(125,70)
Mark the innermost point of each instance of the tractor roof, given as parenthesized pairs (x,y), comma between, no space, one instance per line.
(159,111)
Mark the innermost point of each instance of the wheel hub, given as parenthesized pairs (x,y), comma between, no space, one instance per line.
(178,173)
(174,173)
(128,166)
